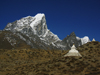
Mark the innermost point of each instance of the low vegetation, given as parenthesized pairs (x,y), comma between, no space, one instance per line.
(50,62)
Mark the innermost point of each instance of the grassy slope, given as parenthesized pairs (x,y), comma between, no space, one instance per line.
(51,62)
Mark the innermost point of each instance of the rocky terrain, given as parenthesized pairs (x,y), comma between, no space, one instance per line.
(51,62)
(9,40)
(34,32)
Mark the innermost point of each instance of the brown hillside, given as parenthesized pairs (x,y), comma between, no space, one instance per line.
(5,44)
(51,62)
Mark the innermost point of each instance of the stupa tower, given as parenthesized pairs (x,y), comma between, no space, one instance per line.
(93,39)
(73,52)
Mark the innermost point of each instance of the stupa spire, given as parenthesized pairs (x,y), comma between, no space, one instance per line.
(73,47)
(93,39)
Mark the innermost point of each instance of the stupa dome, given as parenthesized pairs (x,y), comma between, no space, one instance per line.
(73,52)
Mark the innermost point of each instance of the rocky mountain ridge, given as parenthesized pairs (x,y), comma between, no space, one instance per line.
(34,29)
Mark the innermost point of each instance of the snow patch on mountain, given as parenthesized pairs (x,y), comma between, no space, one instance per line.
(78,38)
(84,40)
(32,26)
(45,33)
(11,41)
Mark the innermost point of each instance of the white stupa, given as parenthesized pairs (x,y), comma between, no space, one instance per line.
(93,39)
(73,52)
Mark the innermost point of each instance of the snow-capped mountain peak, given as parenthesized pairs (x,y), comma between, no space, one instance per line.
(39,24)
(33,25)
(34,28)
(39,16)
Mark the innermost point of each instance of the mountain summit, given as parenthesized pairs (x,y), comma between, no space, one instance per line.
(33,26)
(34,29)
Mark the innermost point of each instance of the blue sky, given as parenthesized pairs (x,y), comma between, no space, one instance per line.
(62,16)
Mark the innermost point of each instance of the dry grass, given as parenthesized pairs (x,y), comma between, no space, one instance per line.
(51,62)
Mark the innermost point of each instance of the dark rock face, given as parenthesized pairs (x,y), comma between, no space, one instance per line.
(9,40)
(70,40)
(34,31)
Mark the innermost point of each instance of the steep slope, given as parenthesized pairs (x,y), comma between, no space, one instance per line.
(8,40)
(70,40)
(4,43)
(73,39)
(35,29)
(33,25)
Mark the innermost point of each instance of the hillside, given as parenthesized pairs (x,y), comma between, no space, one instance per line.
(8,40)
(51,62)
